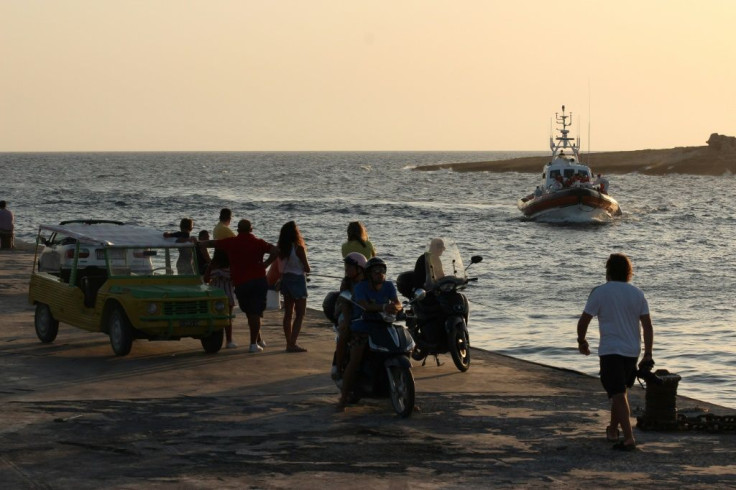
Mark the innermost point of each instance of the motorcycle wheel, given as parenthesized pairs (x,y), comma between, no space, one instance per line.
(402,390)
(459,347)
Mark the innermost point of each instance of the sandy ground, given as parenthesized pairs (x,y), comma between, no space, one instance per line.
(695,160)
(170,416)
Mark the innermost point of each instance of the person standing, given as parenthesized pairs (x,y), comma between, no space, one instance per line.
(248,274)
(358,241)
(184,264)
(203,255)
(218,275)
(7,227)
(620,308)
(294,266)
(222,228)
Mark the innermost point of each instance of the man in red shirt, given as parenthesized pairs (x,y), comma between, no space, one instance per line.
(248,274)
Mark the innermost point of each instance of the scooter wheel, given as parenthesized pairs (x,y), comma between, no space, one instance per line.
(402,390)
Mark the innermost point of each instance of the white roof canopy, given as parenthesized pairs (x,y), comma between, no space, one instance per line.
(112,235)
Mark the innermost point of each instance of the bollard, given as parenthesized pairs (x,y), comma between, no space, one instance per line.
(660,412)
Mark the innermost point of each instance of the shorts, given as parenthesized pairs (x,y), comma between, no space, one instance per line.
(252,296)
(294,285)
(617,373)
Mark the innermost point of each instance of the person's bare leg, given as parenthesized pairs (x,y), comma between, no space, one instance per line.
(621,414)
(340,348)
(351,371)
(254,324)
(229,328)
(300,307)
(288,315)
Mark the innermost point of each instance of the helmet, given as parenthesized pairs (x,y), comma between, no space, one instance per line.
(356,258)
(375,261)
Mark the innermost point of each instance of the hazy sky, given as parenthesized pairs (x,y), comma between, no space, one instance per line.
(207,75)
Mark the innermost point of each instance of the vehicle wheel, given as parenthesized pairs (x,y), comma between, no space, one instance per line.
(459,347)
(120,331)
(47,327)
(213,342)
(402,390)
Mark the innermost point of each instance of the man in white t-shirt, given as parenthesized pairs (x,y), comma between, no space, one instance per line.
(620,307)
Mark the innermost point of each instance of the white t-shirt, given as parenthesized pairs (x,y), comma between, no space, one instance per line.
(618,306)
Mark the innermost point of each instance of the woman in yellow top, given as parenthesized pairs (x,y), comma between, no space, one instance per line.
(358,241)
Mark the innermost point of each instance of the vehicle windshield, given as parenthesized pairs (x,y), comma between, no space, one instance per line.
(443,261)
(158,261)
(58,253)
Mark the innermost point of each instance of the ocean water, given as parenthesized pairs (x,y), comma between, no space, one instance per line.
(535,277)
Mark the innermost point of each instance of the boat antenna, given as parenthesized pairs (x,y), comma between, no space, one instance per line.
(564,140)
(589,122)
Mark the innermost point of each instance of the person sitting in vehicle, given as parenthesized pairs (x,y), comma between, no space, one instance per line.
(354,274)
(374,296)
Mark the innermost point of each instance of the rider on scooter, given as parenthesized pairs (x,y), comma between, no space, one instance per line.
(346,313)
(375,295)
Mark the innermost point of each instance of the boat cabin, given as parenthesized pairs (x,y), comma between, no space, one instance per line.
(565,168)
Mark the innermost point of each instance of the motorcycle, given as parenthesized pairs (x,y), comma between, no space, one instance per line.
(439,323)
(385,370)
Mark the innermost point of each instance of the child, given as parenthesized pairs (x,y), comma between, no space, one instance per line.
(217,275)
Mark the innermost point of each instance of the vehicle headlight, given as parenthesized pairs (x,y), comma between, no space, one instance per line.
(152,308)
(219,306)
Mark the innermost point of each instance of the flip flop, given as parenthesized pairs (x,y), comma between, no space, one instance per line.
(620,446)
(609,432)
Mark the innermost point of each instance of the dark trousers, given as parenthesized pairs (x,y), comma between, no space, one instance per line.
(6,240)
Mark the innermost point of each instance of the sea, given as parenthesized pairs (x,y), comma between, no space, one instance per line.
(534,278)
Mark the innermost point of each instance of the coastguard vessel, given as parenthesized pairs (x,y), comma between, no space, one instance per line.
(568,191)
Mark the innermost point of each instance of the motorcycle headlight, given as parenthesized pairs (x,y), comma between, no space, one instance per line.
(219,306)
(152,308)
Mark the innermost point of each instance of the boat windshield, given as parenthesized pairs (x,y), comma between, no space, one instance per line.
(443,260)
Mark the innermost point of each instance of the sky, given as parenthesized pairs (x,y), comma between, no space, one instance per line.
(353,75)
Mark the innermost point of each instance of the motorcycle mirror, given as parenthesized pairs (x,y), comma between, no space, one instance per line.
(419,294)
(476,258)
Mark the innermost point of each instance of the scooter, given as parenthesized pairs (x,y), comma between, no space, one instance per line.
(439,323)
(386,369)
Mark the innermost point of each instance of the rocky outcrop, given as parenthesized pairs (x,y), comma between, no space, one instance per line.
(718,158)
(720,142)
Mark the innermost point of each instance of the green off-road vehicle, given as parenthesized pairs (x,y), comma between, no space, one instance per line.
(123,280)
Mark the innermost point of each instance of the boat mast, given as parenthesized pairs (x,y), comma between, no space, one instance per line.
(564,140)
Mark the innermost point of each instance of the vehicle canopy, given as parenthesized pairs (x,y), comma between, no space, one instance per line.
(108,234)
(120,249)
